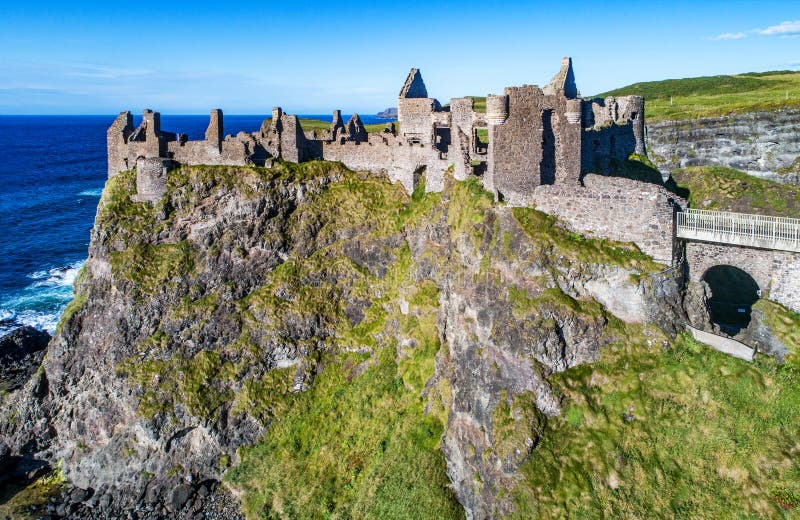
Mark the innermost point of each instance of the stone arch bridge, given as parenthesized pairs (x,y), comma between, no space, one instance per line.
(767,248)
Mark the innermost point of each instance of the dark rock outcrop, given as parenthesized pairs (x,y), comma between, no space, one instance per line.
(21,353)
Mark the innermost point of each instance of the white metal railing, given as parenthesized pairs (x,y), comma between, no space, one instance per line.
(762,231)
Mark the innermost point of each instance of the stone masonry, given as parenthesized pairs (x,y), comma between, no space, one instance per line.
(777,273)
(619,209)
(536,137)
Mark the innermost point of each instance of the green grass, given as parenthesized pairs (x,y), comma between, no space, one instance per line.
(29,502)
(710,96)
(726,189)
(480,104)
(548,235)
(357,443)
(705,435)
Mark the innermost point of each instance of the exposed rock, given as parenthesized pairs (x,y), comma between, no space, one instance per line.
(759,334)
(21,353)
(764,144)
(144,392)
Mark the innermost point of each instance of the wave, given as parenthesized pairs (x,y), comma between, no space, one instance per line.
(57,276)
(36,319)
(41,303)
(91,193)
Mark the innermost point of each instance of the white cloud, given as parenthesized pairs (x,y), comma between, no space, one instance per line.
(787,29)
(730,36)
(783,28)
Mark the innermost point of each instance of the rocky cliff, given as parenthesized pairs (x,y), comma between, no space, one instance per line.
(326,345)
(765,143)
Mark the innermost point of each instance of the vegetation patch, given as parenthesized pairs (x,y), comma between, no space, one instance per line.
(357,443)
(547,234)
(677,431)
(150,267)
(711,96)
(196,382)
(29,501)
(468,205)
(726,189)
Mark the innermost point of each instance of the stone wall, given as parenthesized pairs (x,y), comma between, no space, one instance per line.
(151,178)
(462,136)
(618,209)
(759,143)
(535,138)
(777,273)
(515,147)
(117,143)
(401,161)
(614,129)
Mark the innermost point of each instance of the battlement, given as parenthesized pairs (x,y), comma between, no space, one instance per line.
(536,136)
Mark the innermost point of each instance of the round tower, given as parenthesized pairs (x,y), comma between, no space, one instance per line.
(573,112)
(496,109)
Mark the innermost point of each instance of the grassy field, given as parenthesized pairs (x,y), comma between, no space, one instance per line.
(709,96)
(725,189)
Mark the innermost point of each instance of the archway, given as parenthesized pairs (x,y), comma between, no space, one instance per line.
(733,293)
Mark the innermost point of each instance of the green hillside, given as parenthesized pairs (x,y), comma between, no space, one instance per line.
(710,96)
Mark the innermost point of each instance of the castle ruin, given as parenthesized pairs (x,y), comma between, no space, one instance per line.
(544,147)
(536,136)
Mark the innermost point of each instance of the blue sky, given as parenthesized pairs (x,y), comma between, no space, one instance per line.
(311,57)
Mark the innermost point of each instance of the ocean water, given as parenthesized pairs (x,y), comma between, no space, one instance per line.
(52,173)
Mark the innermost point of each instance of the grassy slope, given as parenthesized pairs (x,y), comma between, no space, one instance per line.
(680,431)
(659,428)
(709,96)
(357,444)
(725,189)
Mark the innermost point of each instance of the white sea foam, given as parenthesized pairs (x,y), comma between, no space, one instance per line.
(91,193)
(37,319)
(41,303)
(57,276)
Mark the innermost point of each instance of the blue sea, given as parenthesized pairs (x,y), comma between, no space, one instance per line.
(52,172)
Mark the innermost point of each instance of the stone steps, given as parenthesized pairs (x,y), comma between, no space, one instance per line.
(722,344)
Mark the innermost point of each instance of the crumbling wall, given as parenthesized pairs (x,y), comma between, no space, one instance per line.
(416,119)
(117,140)
(400,161)
(618,209)
(566,125)
(614,129)
(462,116)
(515,147)
(151,178)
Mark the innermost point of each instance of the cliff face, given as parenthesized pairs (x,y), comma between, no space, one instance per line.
(327,342)
(765,144)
